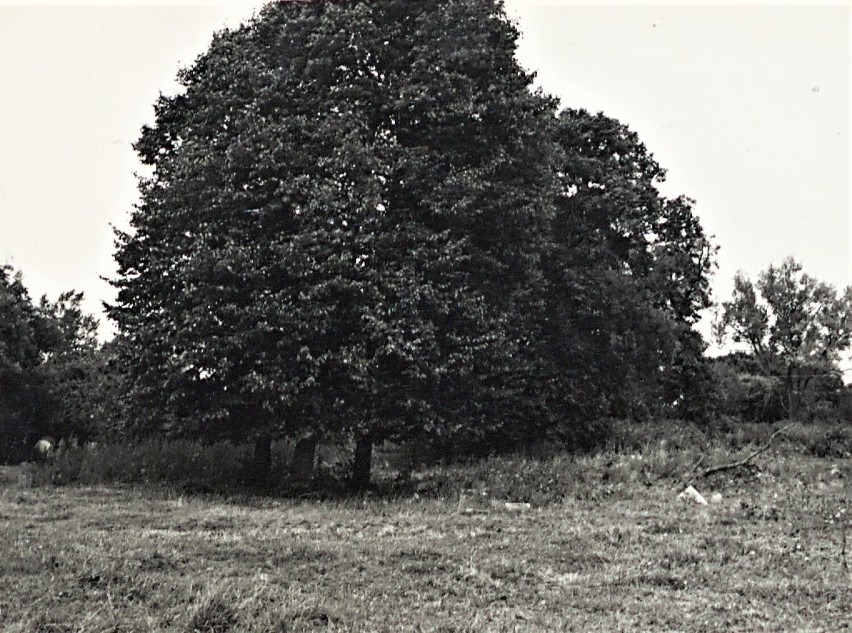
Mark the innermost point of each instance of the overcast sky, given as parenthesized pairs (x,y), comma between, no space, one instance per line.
(747,106)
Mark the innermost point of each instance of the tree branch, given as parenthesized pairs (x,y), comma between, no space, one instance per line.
(745,462)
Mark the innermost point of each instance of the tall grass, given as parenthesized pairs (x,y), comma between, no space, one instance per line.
(220,466)
(652,453)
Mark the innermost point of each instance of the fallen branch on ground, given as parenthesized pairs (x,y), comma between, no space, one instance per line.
(746,462)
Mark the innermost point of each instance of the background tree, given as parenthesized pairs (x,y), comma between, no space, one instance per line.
(70,367)
(22,341)
(44,379)
(629,274)
(794,325)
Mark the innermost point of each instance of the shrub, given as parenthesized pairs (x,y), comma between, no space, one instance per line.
(513,478)
(637,453)
(190,464)
(821,439)
(625,435)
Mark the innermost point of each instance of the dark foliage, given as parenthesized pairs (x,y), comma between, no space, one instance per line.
(46,350)
(361,219)
(752,389)
(795,328)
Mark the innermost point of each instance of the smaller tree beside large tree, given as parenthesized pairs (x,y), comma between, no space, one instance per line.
(794,325)
(46,371)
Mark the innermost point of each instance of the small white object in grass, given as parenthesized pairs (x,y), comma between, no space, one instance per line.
(716,497)
(693,496)
(44,447)
(511,506)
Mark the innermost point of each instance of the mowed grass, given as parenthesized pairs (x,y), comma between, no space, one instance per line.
(620,553)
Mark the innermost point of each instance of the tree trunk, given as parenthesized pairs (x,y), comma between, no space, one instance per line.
(262,458)
(304,459)
(363,463)
(793,400)
(795,387)
(788,392)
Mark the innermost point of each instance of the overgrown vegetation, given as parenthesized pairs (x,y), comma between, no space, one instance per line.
(666,452)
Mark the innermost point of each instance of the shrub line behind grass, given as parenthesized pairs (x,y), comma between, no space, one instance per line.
(746,462)
(648,453)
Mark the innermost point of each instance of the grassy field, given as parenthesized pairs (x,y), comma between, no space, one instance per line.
(619,553)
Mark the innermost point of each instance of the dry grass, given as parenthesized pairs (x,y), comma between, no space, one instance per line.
(618,552)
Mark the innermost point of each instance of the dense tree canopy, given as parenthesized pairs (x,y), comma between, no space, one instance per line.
(343,207)
(362,218)
(629,273)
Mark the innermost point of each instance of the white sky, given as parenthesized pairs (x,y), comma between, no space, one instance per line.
(747,106)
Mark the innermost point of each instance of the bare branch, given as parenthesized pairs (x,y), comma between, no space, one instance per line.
(746,462)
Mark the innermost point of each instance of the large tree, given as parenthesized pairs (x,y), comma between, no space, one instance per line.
(340,225)
(795,326)
(361,218)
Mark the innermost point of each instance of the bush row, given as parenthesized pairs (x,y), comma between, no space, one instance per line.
(644,453)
